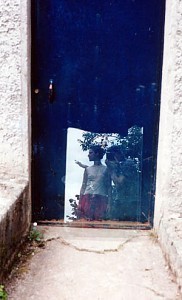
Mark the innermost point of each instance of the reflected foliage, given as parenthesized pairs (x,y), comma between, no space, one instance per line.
(75,214)
(130,144)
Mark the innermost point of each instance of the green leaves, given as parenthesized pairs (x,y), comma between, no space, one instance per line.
(35,234)
(131,144)
(3,294)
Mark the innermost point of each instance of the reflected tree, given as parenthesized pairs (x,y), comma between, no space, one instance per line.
(130,144)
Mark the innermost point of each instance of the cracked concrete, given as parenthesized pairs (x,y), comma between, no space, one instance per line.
(80,263)
(81,242)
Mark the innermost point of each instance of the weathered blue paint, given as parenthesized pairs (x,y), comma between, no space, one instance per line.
(105,59)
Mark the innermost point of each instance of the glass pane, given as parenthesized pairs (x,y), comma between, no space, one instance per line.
(103,176)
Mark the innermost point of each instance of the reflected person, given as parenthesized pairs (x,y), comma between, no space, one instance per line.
(96,187)
(123,173)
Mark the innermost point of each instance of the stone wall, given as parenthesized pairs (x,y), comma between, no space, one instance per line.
(14,90)
(15,205)
(168,203)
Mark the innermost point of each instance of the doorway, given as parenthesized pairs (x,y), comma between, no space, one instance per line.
(96,74)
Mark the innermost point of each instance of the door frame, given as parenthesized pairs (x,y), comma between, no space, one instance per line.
(155,150)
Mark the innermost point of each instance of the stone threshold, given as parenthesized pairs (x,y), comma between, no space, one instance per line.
(15,218)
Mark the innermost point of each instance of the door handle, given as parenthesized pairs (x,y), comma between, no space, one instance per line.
(51,91)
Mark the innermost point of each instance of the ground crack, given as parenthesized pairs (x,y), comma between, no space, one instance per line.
(104,251)
(150,289)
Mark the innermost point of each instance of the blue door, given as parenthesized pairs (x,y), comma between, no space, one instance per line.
(96,75)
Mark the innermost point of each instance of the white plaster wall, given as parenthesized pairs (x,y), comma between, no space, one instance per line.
(168,203)
(15,204)
(169,164)
(14,86)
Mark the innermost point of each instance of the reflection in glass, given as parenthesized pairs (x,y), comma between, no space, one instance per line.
(103,176)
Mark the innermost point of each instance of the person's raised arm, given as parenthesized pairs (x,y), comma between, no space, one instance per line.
(80,164)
